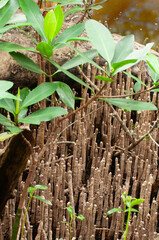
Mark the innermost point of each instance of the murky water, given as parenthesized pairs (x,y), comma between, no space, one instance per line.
(139,17)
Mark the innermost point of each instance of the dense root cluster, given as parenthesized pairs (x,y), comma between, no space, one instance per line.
(87,164)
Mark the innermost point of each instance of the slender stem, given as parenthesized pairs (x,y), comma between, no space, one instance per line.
(123,218)
(129,95)
(26,215)
(70,224)
(127,224)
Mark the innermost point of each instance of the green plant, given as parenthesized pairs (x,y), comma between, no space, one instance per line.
(70,210)
(17,106)
(129,203)
(31,191)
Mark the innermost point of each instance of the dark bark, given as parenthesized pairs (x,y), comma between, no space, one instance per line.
(12,163)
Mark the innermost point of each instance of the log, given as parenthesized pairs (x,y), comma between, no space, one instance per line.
(13,162)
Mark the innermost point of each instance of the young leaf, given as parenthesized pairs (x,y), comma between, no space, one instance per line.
(41,187)
(153,62)
(11,47)
(43,200)
(137,202)
(5,85)
(40,92)
(123,48)
(7,11)
(66,95)
(131,105)
(25,62)
(113,210)
(45,49)
(45,114)
(59,19)
(70,210)
(33,14)
(101,39)
(31,190)
(81,217)
(50,24)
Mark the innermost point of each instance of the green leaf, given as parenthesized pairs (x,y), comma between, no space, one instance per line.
(68,73)
(31,190)
(78,39)
(45,49)
(155,90)
(50,24)
(4,136)
(73,10)
(105,79)
(11,47)
(8,27)
(3,2)
(59,19)
(113,210)
(8,95)
(70,210)
(43,200)
(140,54)
(81,217)
(5,121)
(26,62)
(5,85)
(64,2)
(135,78)
(69,33)
(132,210)
(101,39)
(153,62)
(66,95)
(7,11)
(40,92)
(95,7)
(41,187)
(7,104)
(153,75)
(123,48)
(78,60)
(45,114)
(87,58)
(131,105)
(18,18)
(137,87)
(122,65)
(137,202)
(33,14)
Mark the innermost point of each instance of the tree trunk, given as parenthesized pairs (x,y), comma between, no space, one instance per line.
(13,161)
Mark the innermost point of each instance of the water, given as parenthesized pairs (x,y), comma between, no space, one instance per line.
(138,17)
